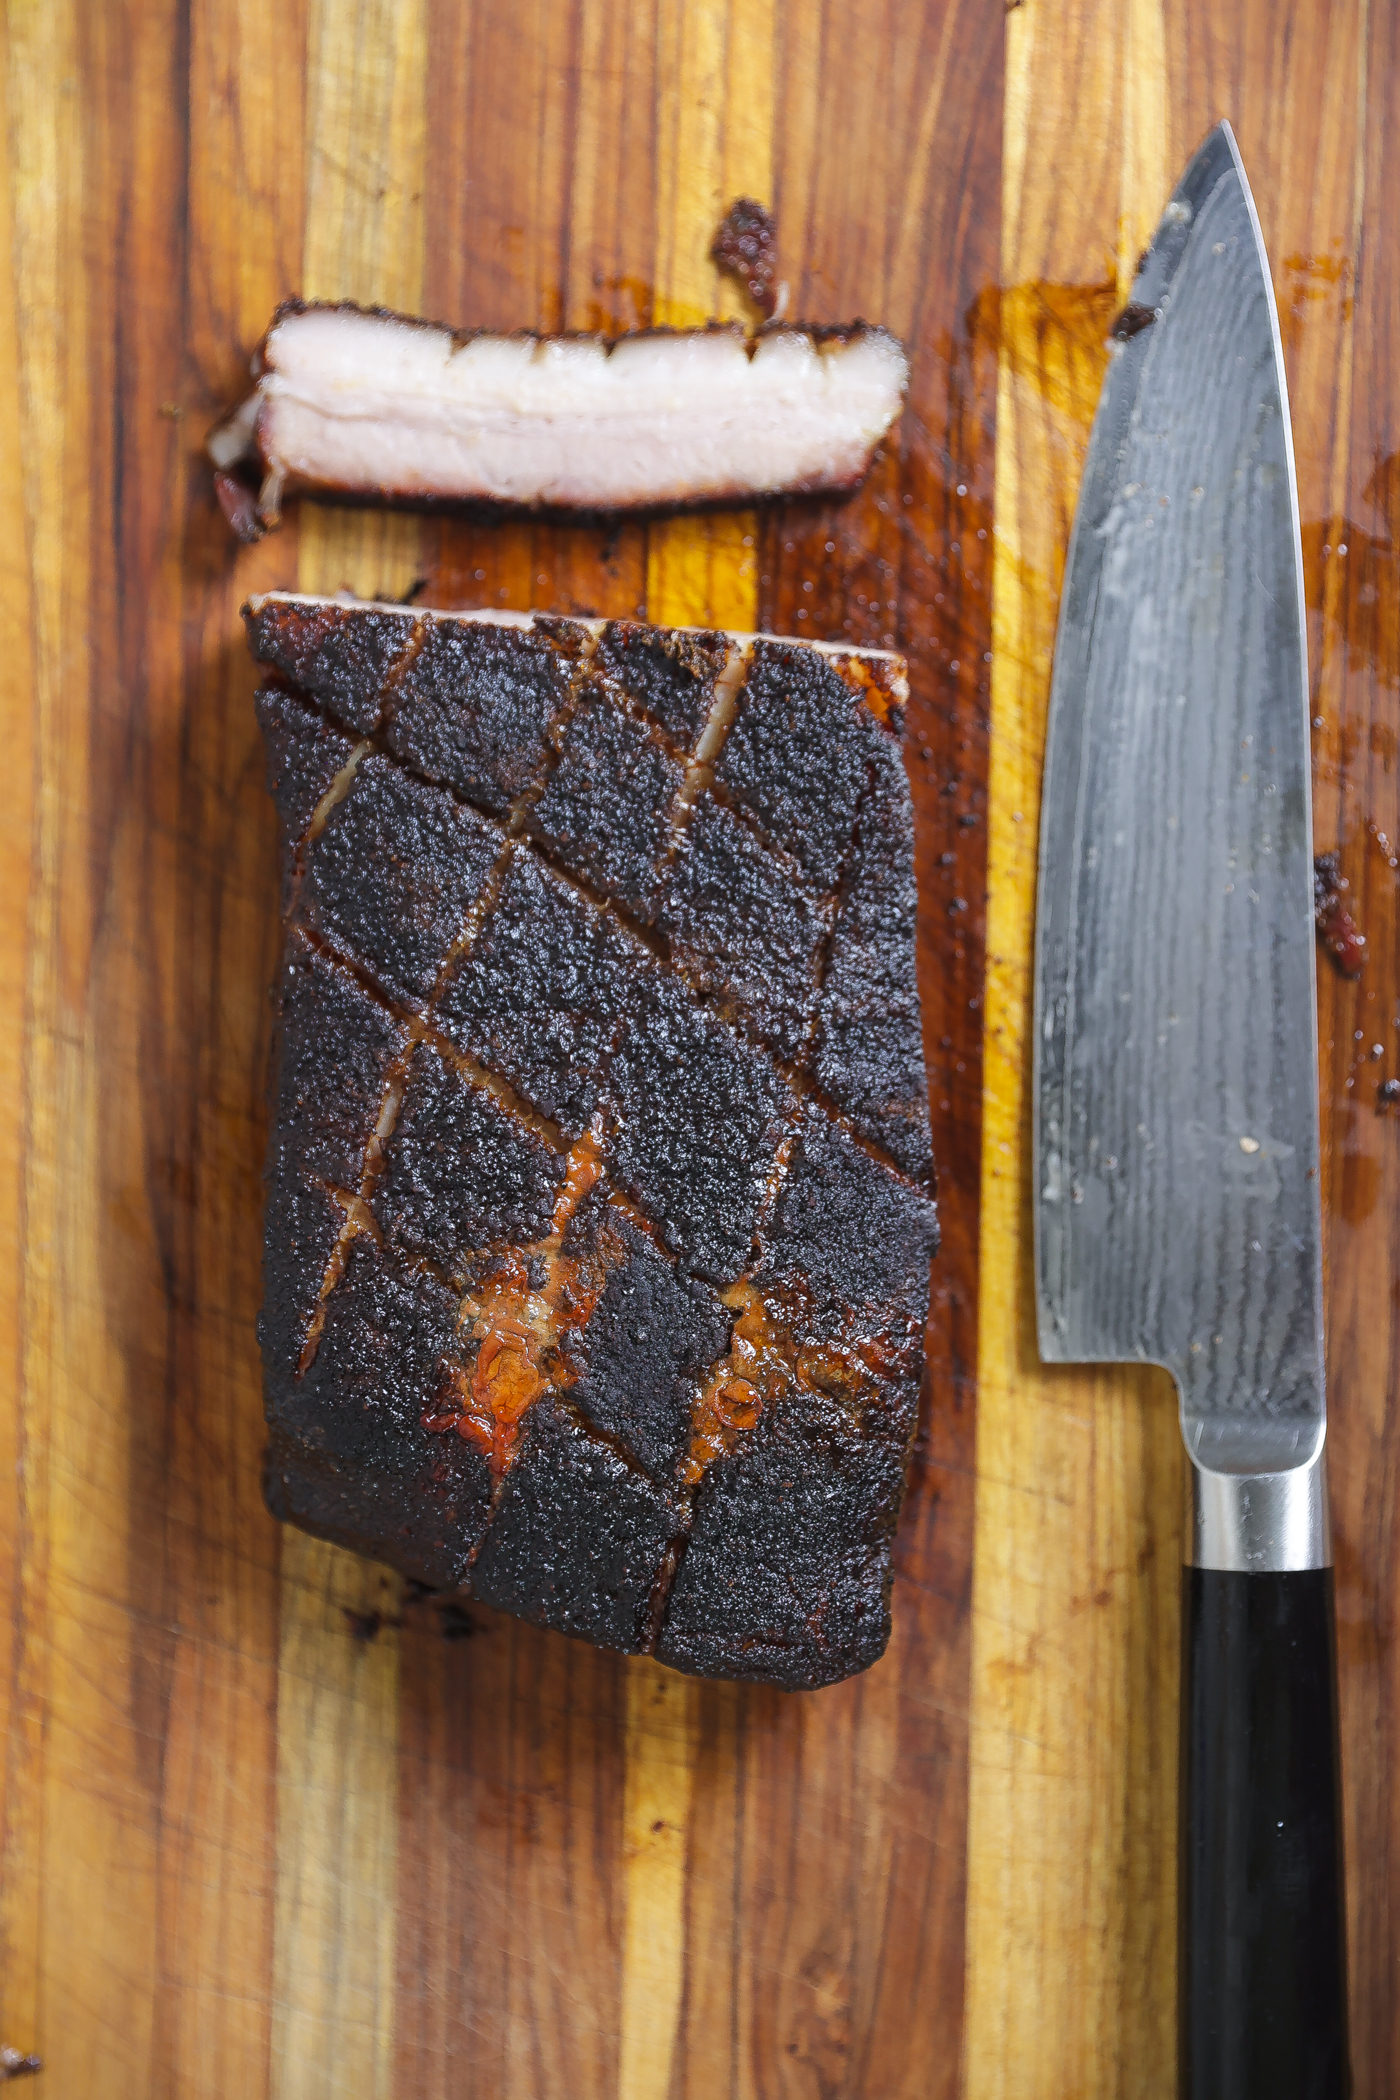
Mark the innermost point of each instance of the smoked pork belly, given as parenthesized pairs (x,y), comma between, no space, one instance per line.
(378,407)
(599,1212)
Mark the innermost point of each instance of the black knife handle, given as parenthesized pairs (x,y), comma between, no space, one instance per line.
(1263,1999)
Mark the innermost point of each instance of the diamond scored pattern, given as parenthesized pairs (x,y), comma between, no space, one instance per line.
(608,962)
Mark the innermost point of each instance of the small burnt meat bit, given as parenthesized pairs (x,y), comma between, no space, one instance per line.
(744,246)
(869,1027)
(798,755)
(596,1253)
(393,875)
(604,814)
(671,675)
(460,1173)
(541,996)
(578,1535)
(700,1117)
(1339,932)
(350,1457)
(473,707)
(340,653)
(743,923)
(650,1335)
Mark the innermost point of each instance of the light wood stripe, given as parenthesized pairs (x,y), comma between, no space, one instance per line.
(714,142)
(80,1837)
(1070,1984)
(337,1712)
(31,464)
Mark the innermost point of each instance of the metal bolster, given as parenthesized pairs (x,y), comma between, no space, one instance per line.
(1259,1523)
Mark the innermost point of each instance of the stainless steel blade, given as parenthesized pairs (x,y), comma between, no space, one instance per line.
(1176,1122)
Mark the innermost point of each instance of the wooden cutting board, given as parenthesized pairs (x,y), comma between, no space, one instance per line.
(271,1828)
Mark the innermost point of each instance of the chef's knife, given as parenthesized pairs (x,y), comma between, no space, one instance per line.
(1176,1120)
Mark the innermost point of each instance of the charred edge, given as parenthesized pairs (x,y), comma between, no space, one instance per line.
(837,332)
(1131,321)
(661,1589)
(487,510)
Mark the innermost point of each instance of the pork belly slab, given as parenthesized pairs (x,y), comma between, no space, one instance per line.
(598,1212)
(382,407)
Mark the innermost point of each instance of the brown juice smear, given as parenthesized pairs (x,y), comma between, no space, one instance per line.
(516,1325)
(492,1397)
(762,1365)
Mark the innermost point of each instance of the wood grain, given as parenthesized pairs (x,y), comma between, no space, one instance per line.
(1074,1697)
(269,1826)
(335,1960)
(1072,1833)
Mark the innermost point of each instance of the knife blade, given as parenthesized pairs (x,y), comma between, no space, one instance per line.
(1176,1147)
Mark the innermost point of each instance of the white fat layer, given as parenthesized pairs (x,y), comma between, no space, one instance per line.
(233,440)
(360,401)
(493,616)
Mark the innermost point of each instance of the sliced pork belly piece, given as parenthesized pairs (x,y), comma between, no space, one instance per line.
(596,1262)
(397,410)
